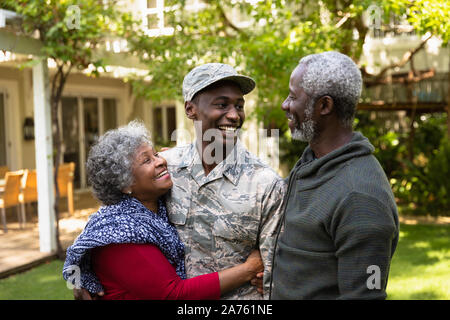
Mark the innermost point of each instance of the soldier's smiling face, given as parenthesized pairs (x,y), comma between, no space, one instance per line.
(220,107)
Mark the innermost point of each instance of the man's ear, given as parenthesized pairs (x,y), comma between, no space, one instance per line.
(325,105)
(190,109)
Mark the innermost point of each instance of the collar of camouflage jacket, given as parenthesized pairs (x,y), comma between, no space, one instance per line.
(231,167)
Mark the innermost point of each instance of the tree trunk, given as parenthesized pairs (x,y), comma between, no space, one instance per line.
(412,129)
(57,146)
(448,103)
(411,135)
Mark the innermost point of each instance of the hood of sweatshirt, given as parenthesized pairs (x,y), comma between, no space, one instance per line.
(316,171)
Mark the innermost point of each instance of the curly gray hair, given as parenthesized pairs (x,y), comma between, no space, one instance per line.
(334,74)
(109,165)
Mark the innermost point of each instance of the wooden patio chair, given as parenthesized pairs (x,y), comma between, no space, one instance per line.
(10,195)
(65,183)
(3,171)
(29,191)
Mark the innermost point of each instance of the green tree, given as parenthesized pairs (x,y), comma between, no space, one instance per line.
(274,36)
(70,31)
(268,45)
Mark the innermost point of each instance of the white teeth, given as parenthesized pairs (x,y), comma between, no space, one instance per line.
(289,116)
(227,128)
(161,174)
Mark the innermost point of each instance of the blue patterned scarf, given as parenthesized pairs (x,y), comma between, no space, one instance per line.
(128,221)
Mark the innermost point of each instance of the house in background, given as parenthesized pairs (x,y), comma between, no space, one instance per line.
(421,84)
(90,106)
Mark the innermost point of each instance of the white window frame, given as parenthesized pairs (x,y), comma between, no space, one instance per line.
(159,11)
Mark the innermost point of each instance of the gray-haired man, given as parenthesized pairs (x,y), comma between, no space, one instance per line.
(340,222)
(224,201)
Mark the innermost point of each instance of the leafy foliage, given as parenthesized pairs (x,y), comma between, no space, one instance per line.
(268,45)
(266,39)
(70,36)
(424,187)
(70,32)
(419,184)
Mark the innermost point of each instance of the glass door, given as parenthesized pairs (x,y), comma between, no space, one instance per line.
(84,119)
(109,114)
(90,130)
(71,134)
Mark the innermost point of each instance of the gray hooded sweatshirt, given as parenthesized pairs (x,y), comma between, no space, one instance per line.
(340,227)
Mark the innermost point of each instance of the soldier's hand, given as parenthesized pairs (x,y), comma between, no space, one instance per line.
(83,294)
(255,262)
(258,282)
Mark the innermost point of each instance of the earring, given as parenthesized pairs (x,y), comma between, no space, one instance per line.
(129,192)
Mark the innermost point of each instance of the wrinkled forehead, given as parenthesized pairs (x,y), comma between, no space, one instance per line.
(143,149)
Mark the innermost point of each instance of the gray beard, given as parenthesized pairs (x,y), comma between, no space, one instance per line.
(306,132)
(307,129)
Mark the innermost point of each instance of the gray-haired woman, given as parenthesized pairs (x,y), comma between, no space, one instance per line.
(129,249)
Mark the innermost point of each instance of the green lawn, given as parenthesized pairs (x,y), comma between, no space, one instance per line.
(41,283)
(420,270)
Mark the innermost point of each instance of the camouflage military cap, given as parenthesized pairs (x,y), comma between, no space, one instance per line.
(209,73)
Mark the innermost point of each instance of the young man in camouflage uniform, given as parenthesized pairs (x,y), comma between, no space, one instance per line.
(224,201)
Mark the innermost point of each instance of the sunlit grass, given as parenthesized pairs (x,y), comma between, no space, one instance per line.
(41,283)
(421,265)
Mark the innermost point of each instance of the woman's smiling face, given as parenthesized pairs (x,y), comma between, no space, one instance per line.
(151,178)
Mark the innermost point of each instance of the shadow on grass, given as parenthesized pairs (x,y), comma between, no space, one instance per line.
(424,295)
(418,241)
(419,268)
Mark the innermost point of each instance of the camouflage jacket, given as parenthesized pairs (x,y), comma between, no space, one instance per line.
(223,216)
